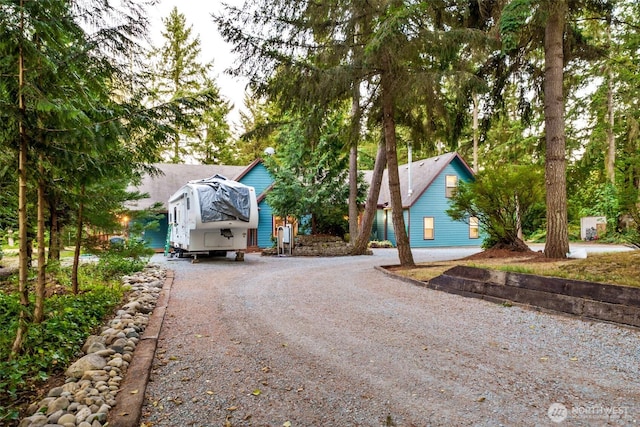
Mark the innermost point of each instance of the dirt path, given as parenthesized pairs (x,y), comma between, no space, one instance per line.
(319,342)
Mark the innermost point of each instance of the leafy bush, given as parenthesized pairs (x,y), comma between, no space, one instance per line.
(69,319)
(120,259)
(51,345)
(112,266)
(632,237)
(501,197)
(135,247)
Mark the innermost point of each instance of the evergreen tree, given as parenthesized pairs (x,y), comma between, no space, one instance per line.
(310,180)
(306,56)
(522,25)
(71,112)
(179,74)
(258,124)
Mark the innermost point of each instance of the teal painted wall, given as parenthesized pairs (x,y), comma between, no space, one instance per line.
(157,238)
(377,229)
(258,177)
(391,233)
(433,203)
(265,225)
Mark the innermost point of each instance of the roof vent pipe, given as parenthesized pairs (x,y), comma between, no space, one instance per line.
(409,184)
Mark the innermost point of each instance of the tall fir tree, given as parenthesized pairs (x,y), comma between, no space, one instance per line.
(180,73)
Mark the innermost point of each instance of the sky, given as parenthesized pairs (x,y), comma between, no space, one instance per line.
(198,16)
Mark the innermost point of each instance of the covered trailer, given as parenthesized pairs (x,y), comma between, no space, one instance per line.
(212,216)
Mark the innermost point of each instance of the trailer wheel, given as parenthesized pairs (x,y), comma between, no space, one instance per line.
(239,256)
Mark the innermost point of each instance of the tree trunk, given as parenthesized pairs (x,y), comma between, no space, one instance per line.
(611,141)
(371,206)
(55,239)
(38,314)
(475,132)
(76,252)
(354,136)
(557,244)
(389,125)
(22,205)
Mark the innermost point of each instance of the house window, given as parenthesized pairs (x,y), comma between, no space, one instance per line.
(428,228)
(474,228)
(451,183)
(188,204)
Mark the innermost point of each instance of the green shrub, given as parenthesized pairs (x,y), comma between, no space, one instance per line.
(69,319)
(121,259)
(53,344)
(501,198)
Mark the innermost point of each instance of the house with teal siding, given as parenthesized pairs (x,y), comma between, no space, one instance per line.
(172,177)
(257,176)
(426,187)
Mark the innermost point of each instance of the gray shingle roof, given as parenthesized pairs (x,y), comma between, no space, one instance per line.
(423,172)
(174,176)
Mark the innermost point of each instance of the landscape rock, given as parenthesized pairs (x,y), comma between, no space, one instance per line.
(92,339)
(95,347)
(59,404)
(89,362)
(67,419)
(37,420)
(93,381)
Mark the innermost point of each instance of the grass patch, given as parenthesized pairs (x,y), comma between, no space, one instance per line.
(619,268)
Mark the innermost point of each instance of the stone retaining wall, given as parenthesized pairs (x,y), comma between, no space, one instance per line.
(321,246)
(620,304)
(317,245)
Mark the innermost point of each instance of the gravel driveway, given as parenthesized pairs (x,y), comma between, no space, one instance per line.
(334,342)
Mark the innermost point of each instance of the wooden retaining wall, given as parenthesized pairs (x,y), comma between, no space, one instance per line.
(620,304)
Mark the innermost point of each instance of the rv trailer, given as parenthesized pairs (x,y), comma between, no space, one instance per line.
(212,216)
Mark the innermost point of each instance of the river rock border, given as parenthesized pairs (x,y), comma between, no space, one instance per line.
(95,383)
